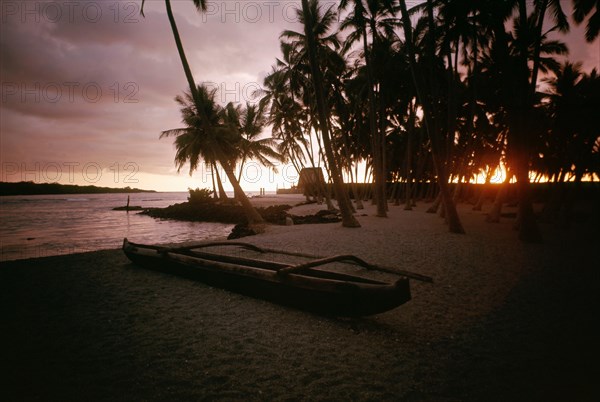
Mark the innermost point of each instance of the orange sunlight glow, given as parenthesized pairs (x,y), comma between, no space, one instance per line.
(498,176)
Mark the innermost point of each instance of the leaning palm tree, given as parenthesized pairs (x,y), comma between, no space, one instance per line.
(208,135)
(201,101)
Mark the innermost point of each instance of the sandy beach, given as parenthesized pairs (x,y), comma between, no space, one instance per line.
(503,321)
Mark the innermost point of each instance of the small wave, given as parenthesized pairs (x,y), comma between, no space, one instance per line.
(29,200)
(3,201)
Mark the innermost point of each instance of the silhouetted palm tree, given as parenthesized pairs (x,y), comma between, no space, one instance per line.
(194,143)
(209,135)
(287,95)
(310,16)
(202,101)
(251,121)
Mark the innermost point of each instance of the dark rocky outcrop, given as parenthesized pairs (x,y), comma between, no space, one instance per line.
(230,213)
(216,212)
(241,230)
(323,216)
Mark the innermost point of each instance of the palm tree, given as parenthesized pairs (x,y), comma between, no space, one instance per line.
(251,123)
(285,117)
(286,95)
(193,143)
(201,103)
(210,136)
(310,13)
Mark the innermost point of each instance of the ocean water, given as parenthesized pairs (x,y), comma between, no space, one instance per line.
(44,225)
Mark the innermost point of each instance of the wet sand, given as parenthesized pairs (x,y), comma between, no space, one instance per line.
(504,321)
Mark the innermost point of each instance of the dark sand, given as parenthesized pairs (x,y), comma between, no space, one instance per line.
(503,321)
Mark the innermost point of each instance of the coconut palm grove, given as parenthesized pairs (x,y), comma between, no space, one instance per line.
(421,100)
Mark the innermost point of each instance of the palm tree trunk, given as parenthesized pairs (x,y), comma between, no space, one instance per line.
(379,179)
(436,204)
(348,219)
(354,185)
(358,195)
(407,196)
(184,62)
(382,186)
(222,193)
(241,171)
(212,176)
(251,214)
(519,139)
(418,176)
(396,193)
(526,222)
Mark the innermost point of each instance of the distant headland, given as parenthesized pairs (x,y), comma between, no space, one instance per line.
(31,188)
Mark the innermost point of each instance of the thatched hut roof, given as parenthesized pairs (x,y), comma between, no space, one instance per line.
(310,177)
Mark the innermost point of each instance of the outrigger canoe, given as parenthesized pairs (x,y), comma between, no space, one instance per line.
(307,285)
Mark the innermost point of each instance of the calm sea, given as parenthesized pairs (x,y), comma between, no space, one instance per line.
(44,225)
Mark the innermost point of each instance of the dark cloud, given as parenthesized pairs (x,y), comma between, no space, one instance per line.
(94,81)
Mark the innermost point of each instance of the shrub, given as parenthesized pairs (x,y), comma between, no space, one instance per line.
(200,196)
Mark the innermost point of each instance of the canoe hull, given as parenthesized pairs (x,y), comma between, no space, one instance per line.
(302,291)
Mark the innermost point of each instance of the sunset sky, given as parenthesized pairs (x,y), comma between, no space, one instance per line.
(88,86)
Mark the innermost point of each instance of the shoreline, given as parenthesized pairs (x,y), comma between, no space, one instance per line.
(502,321)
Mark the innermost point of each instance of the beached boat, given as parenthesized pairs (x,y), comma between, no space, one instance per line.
(308,285)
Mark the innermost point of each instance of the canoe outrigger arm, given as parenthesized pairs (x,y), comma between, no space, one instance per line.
(323,261)
(353,260)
